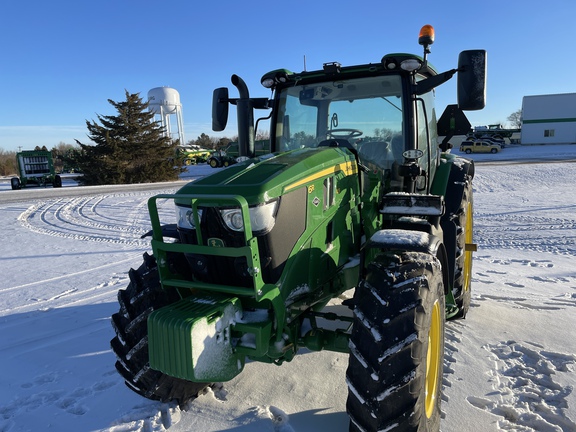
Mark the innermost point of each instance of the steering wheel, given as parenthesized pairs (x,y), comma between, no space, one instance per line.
(344,133)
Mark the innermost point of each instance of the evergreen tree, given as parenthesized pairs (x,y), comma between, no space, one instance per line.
(204,141)
(129,147)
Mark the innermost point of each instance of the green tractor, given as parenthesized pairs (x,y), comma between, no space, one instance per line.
(192,155)
(356,194)
(230,155)
(35,167)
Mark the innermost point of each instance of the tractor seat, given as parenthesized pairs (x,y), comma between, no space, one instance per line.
(376,152)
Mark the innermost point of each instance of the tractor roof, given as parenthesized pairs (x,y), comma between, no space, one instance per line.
(389,63)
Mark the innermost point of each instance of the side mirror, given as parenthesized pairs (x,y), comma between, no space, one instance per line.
(472,80)
(219,109)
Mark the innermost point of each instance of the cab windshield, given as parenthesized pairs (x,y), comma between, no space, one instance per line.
(364,114)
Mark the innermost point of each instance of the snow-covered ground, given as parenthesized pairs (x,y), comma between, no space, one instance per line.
(509,366)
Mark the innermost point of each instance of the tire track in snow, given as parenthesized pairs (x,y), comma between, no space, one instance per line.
(510,215)
(557,287)
(116,218)
(525,232)
(50,219)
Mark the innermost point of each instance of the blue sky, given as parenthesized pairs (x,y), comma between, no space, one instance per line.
(61,60)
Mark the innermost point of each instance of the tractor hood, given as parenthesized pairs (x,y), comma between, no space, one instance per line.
(267,177)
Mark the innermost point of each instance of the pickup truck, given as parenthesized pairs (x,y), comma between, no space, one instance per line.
(479,146)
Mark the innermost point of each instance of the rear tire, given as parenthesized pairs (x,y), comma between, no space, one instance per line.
(464,235)
(397,345)
(15,183)
(143,295)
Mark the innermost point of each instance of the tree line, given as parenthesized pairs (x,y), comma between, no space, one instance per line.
(130,147)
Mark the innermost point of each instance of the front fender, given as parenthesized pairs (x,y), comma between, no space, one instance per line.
(401,240)
(392,240)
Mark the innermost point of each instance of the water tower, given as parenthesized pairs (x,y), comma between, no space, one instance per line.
(165,103)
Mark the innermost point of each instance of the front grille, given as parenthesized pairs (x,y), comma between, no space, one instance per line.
(217,269)
(274,248)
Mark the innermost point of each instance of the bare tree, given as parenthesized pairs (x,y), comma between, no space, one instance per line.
(59,153)
(7,163)
(515,119)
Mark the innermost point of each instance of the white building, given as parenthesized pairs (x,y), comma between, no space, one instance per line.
(549,119)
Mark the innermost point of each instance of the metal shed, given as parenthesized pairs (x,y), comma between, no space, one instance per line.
(549,119)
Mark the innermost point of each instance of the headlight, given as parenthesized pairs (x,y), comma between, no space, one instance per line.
(233,219)
(185,217)
(262,218)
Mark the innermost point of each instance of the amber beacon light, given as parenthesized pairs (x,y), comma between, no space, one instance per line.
(426,36)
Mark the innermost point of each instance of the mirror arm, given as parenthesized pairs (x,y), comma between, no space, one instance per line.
(428,84)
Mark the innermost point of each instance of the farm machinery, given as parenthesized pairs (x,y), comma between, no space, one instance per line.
(194,154)
(35,167)
(356,199)
(229,155)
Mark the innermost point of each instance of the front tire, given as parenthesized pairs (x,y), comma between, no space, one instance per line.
(57,181)
(143,295)
(397,344)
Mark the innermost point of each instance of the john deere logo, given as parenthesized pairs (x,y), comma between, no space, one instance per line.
(215,242)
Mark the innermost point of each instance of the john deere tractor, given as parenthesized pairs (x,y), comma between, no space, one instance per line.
(356,199)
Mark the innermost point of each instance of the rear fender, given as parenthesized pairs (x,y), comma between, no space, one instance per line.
(456,172)
(450,178)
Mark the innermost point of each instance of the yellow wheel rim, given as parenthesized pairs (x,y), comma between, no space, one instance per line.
(468,253)
(433,359)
